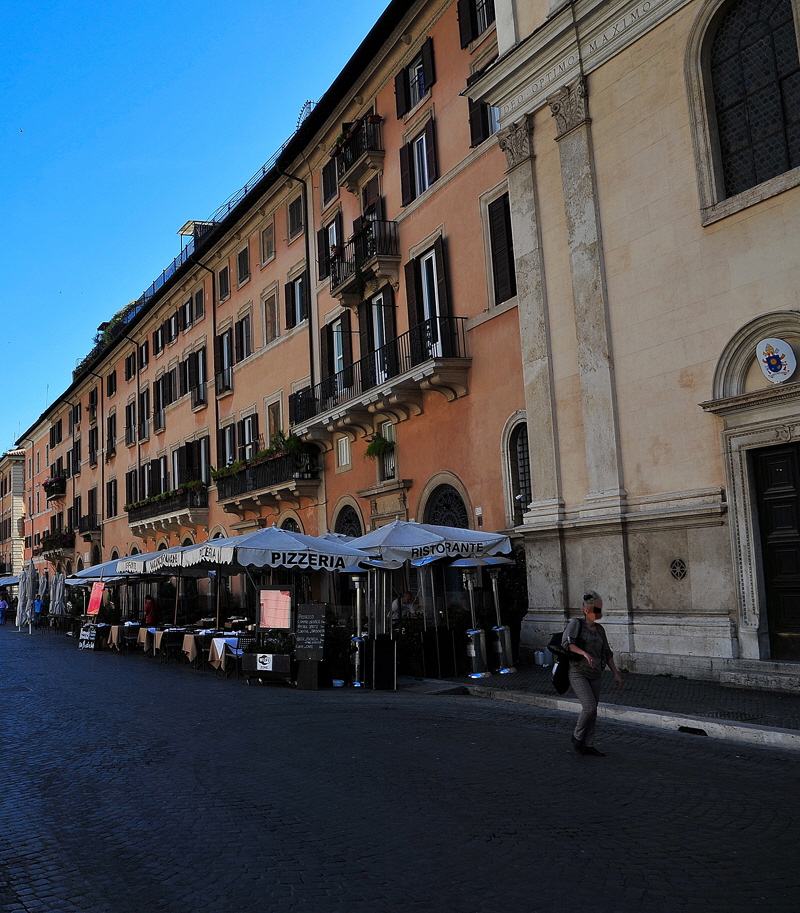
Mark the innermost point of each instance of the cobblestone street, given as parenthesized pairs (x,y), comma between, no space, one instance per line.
(130,785)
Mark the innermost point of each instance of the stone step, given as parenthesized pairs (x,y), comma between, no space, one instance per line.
(763,676)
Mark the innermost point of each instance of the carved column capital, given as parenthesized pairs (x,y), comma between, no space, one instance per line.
(570,106)
(517,141)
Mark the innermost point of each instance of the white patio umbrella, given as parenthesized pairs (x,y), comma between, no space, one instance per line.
(22,597)
(273,547)
(403,541)
(58,603)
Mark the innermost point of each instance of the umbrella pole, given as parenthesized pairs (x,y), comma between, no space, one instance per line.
(177,595)
(218,578)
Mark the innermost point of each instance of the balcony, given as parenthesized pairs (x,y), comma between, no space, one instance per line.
(55,488)
(358,152)
(56,543)
(278,482)
(89,527)
(373,253)
(389,382)
(171,512)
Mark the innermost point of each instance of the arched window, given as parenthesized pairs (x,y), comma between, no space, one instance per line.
(755,80)
(348,522)
(519,470)
(291,525)
(446,507)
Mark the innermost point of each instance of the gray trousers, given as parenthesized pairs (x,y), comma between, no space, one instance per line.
(587,690)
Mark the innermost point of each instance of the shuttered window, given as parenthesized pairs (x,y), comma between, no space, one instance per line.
(502,250)
(414,82)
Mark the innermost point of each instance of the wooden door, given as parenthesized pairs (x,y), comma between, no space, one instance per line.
(777,474)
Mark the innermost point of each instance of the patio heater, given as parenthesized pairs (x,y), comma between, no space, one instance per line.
(357,641)
(501,634)
(476,637)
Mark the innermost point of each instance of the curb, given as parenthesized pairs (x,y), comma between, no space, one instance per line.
(768,736)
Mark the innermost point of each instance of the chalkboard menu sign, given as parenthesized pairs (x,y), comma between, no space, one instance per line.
(89,638)
(310,631)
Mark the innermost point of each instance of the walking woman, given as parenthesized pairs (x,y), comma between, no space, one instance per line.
(587,638)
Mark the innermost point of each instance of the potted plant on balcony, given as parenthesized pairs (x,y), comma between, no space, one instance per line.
(377,446)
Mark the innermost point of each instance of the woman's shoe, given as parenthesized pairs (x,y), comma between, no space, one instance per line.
(579,746)
(590,749)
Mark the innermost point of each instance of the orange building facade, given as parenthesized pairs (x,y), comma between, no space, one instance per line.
(336,347)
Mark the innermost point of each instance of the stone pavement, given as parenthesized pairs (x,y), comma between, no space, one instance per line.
(664,701)
(129,785)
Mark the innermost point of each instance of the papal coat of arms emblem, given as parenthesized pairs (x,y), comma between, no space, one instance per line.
(776,360)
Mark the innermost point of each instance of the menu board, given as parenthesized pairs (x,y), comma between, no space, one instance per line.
(88,639)
(275,608)
(310,631)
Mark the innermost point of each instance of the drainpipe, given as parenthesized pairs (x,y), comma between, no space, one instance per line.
(102,499)
(213,346)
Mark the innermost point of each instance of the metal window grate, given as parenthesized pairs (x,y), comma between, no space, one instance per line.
(446,508)
(755,76)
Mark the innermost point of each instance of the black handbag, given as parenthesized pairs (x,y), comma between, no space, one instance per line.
(556,649)
(560,675)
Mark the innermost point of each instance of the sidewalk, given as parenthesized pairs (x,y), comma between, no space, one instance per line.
(668,702)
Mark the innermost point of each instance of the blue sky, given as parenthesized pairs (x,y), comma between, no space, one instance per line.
(118,123)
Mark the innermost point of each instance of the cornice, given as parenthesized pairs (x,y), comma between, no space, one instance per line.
(523,78)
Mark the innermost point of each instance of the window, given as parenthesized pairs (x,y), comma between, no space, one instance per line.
(427,296)
(274,420)
(38,460)
(296,300)
(248,437)
(131,487)
(111,498)
(330,186)
(296,222)
(243,265)
(343,451)
(94,439)
(111,383)
(378,338)
(371,200)
(74,417)
(329,242)
(755,77)
(199,304)
(414,82)
(268,242)
(226,445)
(196,376)
(186,318)
(418,163)
(271,325)
(158,340)
(144,415)
(474,17)
(92,405)
(223,361)
(243,338)
(502,250)
(144,357)
(520,471)
(336,354)
(484,120)
(130,424)
(190,463)
(111,435)
(387,464)
(55,434)
(224,280)
(130,366)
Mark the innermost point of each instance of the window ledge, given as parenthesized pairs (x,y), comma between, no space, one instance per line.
(751,197)
(494,311)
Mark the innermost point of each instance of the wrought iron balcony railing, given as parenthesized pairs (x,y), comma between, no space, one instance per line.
(376,239)
(366,137)
(266,474)
(439,337)
(90,523)
(172,503)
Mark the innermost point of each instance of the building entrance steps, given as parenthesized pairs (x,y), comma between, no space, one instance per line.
(699,708)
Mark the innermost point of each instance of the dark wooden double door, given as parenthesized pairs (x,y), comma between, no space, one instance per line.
(777,478)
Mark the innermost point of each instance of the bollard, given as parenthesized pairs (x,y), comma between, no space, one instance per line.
(502,657)
(357,662)
(476,654)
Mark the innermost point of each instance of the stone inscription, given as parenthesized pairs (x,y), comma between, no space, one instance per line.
(565,66)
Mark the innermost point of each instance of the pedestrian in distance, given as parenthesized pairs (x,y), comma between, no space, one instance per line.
(3,608)
(585,637)
(150,610)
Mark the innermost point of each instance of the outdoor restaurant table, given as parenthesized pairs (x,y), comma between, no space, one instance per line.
(218,652)
(115,637)
(146,638)
(191,644)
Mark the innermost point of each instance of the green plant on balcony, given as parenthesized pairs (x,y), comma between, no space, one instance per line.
(61,539)
(55,484)
(377,446)
(224,471)
(194,485)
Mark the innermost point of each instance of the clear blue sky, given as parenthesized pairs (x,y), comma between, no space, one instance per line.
(118,122)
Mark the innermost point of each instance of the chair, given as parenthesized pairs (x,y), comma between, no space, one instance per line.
(172,646)
(203,650)
(130,638)
(234,661)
